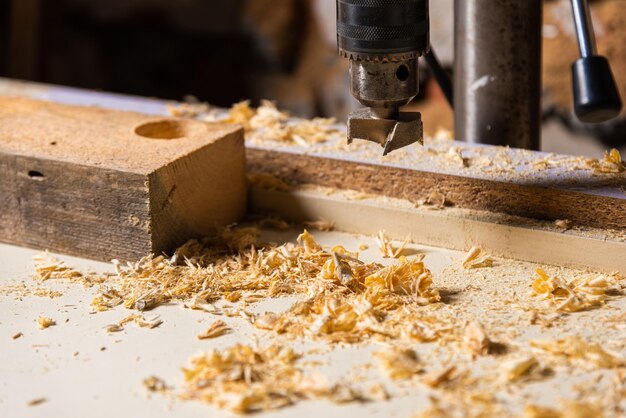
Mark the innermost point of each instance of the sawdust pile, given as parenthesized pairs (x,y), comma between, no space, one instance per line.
(268,123)
(244,379)
(341,299)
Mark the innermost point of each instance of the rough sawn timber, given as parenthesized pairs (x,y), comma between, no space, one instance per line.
(106,184)
(580,196)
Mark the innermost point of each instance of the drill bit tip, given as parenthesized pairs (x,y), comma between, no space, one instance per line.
(391,134)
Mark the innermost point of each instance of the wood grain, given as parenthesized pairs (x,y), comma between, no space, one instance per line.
(99,184)
(580,196)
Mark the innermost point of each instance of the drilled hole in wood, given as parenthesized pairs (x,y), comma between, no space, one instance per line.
(163,129)
(35,175)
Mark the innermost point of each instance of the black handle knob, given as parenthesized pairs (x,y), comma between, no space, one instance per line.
(596,98)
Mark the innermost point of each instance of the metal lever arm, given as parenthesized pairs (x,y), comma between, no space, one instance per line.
(596,98)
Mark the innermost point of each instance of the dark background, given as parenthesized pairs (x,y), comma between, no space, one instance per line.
(218,50)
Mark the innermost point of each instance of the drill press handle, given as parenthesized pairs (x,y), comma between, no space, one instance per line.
(596,97)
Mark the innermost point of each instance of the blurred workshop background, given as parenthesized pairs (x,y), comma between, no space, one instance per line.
(224,51)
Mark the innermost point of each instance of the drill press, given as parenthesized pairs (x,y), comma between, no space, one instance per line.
(383,40)
(497,71)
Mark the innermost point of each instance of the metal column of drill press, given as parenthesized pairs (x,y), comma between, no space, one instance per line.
(383,40)
(497,72)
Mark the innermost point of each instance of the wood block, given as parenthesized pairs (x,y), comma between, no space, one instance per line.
(105,184)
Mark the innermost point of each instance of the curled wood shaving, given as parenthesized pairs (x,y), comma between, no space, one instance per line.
(148,323)
(476,258)
(241,113)
(139,319)
(45,322)
(575,348)
(399,363)
(216,329)
(579,294)
(385,247)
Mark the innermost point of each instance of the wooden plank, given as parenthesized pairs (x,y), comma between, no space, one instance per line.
(569,189)
(106,184)
(445,228)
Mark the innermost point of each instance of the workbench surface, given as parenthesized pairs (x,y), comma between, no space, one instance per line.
(82,370)
(77,368)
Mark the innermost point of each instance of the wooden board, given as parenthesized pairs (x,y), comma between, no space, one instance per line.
(567,190)
(106,184)
(446,228)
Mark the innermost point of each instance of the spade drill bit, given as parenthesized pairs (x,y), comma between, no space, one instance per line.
(383,40)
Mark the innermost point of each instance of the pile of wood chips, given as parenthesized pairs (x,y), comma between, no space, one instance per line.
(343,300)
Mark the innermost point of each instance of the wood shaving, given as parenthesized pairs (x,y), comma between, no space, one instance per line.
(111,328)
(268,123)
(426,329)
(435,200)
(575,348)
(155,384)
(610,164)
(440,377)
(454,155)
(563,224)
(36,401)
(216,329)
(475,339)
(148,323)
(47,267)
(320,225)
(476,258)
(580,294)
(45,322)
(138,319)
(399,363)
(518,368)
(385,247)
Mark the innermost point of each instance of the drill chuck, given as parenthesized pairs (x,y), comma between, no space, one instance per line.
(382,29)
(383,40)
